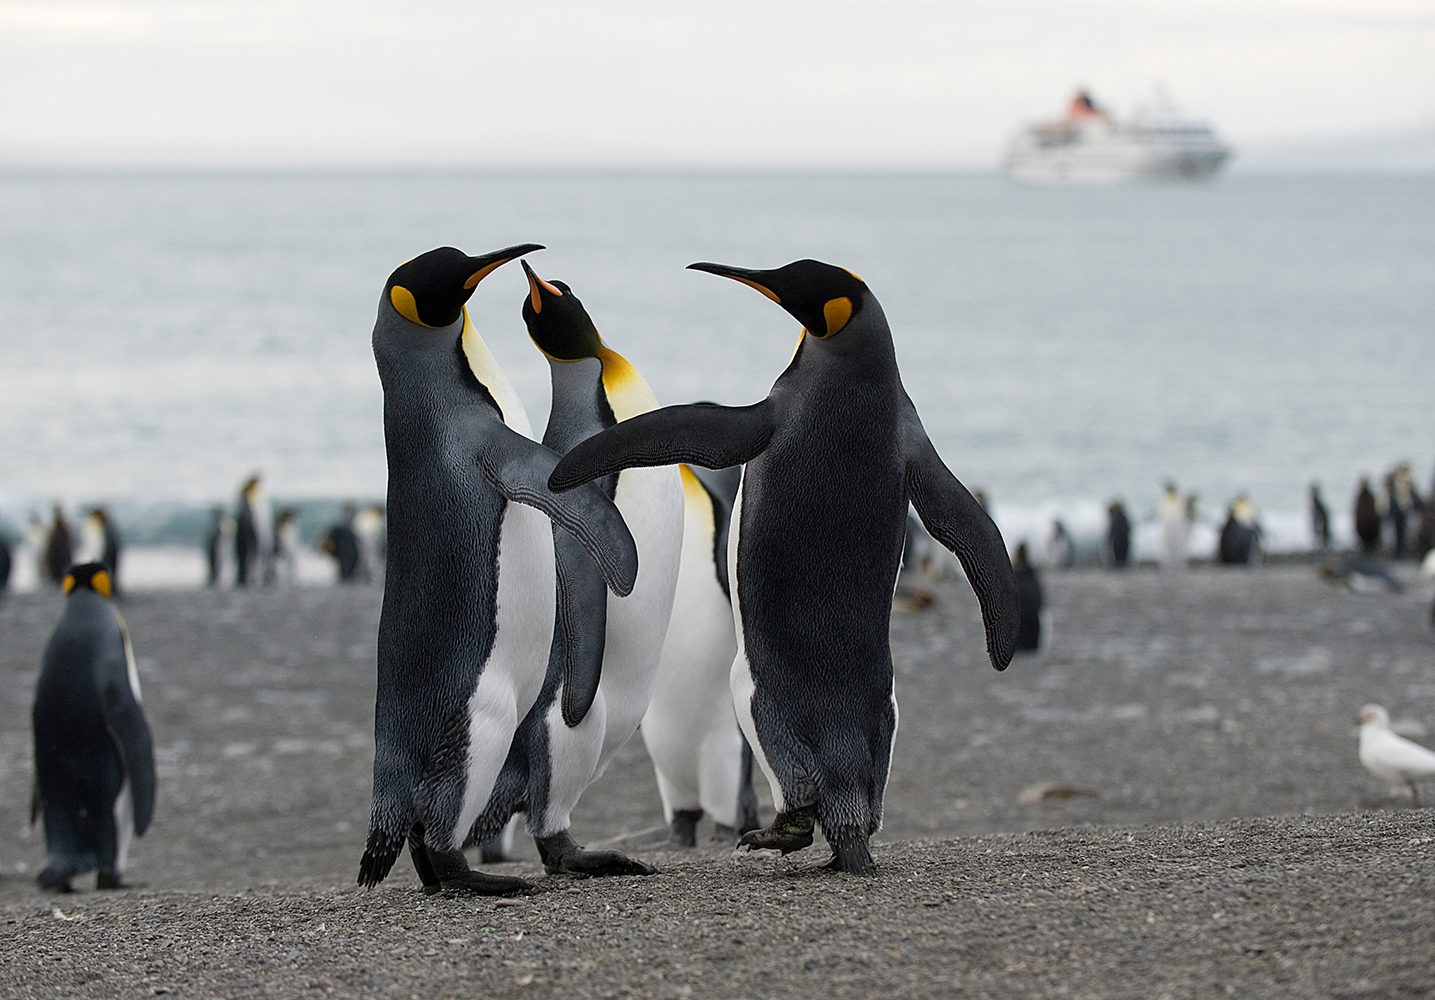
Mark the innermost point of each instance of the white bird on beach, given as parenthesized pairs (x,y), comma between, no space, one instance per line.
(1389,756)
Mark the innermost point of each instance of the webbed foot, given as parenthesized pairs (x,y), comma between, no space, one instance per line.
(451,871)
(790,831)
(109,880)
(562,855)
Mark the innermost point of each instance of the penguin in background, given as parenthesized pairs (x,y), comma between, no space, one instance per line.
(1319,519)
(59,549)
(100,542)
(341,542)
(1175,528)
(253,536)
(286,547)
(368,528)
(700,759)
(1367,519)
(469,592)
(833,455)
(1118,536)
(94,755)
(218,545)
(606,650)
(6,561)
(1029,597)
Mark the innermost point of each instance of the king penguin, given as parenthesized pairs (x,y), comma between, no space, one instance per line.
(701,762)
(467,617)
(606,650)
(833,456)
(94,756)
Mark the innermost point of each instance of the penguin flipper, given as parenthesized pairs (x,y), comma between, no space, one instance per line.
(518,468)
(713,437)
(953,517)
(127,726)
(580,630)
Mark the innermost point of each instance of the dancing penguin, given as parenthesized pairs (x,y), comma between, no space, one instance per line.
(701,761)
(834,454)
(467,619)
(94,755)
(606,650)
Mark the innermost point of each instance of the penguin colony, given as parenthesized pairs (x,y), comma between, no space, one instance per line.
(514,666)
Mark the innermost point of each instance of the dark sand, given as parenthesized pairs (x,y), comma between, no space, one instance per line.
(1233,846)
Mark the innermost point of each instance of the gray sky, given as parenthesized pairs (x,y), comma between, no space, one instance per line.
(749,82)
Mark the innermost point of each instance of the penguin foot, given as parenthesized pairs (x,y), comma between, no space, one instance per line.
(451,872)
(790,831)
(683,831)
(850,852)
(55,881)
(109,880)
(562,855)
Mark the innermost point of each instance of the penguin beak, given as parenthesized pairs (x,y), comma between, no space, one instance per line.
(488,263)
(749,277)
(535,283)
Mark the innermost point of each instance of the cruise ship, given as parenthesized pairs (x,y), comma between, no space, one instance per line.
(1089,146)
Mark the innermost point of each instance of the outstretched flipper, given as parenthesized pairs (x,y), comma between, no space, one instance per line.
(954,518)
(518,468)
(698,433)
(127,726)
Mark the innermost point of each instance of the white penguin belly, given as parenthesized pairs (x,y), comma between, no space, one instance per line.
(124,812)
(690,729)
(513,675)
(651,501)
(743,686)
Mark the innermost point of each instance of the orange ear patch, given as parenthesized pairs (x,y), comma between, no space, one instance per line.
(68,583)
(403,302)
(837,312)
(101,582)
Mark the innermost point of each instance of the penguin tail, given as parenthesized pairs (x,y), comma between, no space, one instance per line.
(850,852)
(380,853)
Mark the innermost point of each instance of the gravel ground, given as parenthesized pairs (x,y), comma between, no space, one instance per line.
(1230,842)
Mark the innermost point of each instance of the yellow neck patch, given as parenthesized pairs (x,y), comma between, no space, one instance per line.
(485,368)
(696,499)
(837,312)
(102,583)
(68,583)
(628,395)
(403,302)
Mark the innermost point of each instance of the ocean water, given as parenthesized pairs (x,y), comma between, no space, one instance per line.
(165,336)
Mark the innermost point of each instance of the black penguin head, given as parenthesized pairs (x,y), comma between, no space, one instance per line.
(89,576)
(822,297)
(557,321)
(431,289)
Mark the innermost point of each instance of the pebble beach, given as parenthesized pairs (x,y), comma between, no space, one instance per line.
(1164,801)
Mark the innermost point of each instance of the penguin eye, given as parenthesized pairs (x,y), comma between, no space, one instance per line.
(405,305)
(68,584)
(101,582)
(837,312)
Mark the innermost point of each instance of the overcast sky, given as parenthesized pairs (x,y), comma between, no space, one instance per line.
(721,82)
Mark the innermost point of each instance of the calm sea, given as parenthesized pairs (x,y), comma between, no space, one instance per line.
(164,336)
